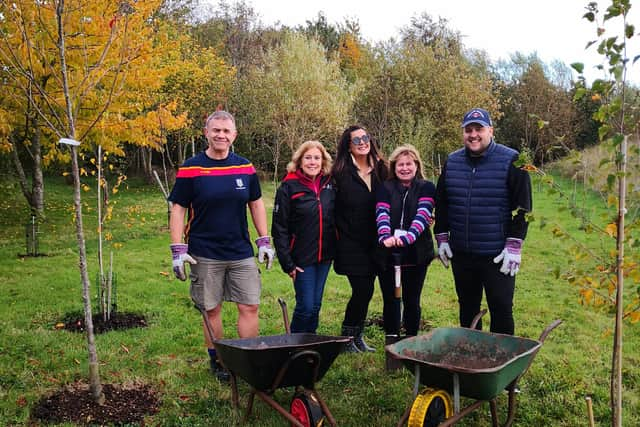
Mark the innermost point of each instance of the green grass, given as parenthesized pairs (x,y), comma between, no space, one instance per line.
(36,359)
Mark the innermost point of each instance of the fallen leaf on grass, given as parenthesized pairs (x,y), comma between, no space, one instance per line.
(59,325)
(21,402)
(124,348)
(77,361)
(164,273)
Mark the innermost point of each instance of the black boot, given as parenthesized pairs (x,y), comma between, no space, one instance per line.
(359,341)
(350,331)
(219,371)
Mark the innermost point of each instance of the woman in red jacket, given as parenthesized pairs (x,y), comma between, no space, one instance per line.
(303,230)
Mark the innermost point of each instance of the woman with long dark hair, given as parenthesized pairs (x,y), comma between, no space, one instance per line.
(358,170)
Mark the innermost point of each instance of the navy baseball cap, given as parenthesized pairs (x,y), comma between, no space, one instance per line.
(477,115)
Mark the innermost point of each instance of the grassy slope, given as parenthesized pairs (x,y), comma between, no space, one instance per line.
(36,359)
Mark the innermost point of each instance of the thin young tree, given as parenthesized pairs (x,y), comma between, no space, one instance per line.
(616,127)
(89,53)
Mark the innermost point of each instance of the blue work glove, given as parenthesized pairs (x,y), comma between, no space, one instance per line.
(180,256)
(510,256)
(444,251)
(265,251)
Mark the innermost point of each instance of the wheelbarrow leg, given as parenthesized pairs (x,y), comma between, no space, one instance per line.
(249,406)
(234,391)
(275,405)
(325,408)
(416,390)
(494,412)
(404,417)
(511,415)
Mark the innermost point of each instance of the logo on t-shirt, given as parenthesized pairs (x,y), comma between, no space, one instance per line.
(239,184)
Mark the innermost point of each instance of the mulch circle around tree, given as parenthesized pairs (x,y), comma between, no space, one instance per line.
(118,321)
(124,404)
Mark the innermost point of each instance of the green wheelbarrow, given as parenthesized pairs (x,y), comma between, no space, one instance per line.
(455,362)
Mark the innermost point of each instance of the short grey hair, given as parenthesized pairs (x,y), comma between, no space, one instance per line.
(220,115)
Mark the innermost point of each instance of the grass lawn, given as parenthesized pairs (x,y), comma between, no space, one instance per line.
(37,292)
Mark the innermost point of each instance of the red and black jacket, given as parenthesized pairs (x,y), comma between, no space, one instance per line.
(303,225)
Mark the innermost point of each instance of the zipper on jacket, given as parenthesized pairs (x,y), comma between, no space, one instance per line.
(468,240)
(320,230)
(320,187)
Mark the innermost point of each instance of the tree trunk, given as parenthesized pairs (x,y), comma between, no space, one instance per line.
(37,183)
(34,192)
(146,155)
(616,369)
(95,386)
(94,375)
(19,170)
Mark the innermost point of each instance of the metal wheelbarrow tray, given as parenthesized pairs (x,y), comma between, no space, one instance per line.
(470,363)
(270,362)
(259,360)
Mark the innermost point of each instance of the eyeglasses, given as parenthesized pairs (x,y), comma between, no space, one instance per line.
(357,140)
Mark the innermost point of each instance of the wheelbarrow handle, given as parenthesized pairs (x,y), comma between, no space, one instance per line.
(285,315)
(549,328)
(476,319)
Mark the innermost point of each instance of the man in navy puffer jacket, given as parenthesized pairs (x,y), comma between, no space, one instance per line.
(482,199)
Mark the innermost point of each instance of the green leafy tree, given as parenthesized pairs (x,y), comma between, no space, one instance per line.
(600,273)
(297,95)
(419,89)
(539,114)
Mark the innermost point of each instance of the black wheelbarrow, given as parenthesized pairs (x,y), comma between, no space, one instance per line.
(454,362)
(268,363)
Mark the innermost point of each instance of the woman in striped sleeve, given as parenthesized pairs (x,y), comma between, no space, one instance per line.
(404,213)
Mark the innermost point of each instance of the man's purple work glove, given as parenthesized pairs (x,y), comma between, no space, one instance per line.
(510,256)
(265,251)
(180,256)
(444,251)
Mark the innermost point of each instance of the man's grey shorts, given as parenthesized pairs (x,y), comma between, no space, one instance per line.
(213,282)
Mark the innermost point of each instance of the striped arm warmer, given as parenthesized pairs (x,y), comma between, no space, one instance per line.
(383,220)
(422,221)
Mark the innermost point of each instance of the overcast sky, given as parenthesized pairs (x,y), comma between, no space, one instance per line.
(554,29)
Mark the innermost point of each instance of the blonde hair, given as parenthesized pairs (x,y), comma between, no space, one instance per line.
(296,158)
(402,150)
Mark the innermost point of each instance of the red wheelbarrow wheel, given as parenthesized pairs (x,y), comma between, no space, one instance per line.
(430,408)
(306,409)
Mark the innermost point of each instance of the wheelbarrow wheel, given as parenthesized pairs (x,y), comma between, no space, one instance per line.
(430,408)
(306,409)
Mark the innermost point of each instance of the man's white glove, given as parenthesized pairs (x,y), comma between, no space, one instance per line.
(265,251)
(444,251)
(180,256)
(510,256)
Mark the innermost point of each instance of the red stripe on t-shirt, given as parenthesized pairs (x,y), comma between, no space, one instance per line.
(196,171)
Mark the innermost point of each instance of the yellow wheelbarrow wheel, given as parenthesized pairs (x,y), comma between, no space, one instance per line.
(430,408)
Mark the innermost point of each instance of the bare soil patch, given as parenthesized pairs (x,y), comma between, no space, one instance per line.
(118,321)
(124,405)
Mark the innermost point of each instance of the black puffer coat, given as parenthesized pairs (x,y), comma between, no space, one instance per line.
(356,222)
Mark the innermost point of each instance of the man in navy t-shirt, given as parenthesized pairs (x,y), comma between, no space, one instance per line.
(213,189)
